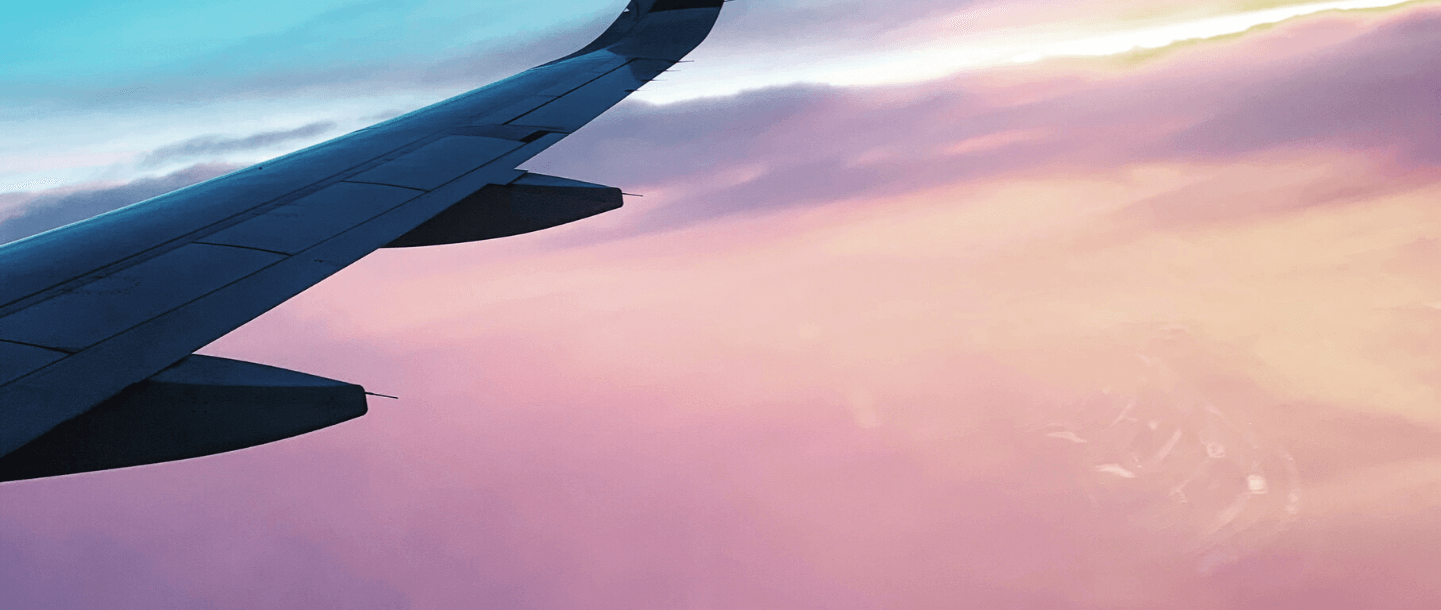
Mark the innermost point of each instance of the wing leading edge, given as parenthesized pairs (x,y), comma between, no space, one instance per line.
(91,309)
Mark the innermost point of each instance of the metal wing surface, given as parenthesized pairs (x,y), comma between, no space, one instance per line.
(109,310)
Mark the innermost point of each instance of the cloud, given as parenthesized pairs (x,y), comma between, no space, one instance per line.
(842,375)
(848,410)
(210,145)
(91,568)
(1341,85)
(42,212)
(1358,86)
(1370,93)
(34,575)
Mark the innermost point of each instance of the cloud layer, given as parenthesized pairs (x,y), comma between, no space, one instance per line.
(1070,335)
(1329,84)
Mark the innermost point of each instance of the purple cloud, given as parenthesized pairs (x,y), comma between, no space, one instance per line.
(802,146)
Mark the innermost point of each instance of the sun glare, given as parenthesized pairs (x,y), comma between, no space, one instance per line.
(968,49)
(1156,37)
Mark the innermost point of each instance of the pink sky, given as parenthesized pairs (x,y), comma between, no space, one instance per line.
(1078,334)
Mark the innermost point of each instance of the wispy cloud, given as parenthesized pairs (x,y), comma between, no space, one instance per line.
(214,145)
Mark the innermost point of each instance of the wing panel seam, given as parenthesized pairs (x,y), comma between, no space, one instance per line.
(177,307)
(568,92)
(409,188)
(44,347)
(208,243)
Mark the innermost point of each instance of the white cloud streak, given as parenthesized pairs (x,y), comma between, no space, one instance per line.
(969,50)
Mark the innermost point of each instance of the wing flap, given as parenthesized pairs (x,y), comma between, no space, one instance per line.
(18,359)
(293,227)
(98,310)
(438,162)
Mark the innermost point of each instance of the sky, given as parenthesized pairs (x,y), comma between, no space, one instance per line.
(1118,305)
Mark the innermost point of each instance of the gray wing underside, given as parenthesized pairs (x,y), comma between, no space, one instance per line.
(92,308)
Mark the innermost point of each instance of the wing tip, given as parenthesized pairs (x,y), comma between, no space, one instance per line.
(625,27)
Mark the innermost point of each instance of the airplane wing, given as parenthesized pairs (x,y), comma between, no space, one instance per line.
(99,319)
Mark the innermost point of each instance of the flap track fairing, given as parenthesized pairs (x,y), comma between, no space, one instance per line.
(530,203)
(200,406)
